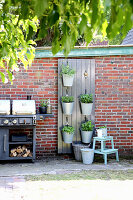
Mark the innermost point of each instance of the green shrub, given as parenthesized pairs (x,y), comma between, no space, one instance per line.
(67,99)
(68,129)
(43,102)
(66,69)
(87,126)
(86,98)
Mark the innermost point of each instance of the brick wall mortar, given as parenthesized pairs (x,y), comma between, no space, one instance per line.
(113,102)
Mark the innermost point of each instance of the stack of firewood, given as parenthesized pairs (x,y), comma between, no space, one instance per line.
(20,151)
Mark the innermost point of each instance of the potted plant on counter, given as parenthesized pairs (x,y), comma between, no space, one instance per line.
(86,103)
(67,104)
(68,75)
(86,131)
(102,131)
(43,106)
(68,132)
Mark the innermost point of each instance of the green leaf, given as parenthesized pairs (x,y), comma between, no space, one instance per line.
(83,24)
(2,76)
(40,6)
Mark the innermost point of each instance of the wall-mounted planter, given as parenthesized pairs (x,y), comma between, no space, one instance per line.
(67,108)
(68,80)
(67,137)
(86,136)
(86,108)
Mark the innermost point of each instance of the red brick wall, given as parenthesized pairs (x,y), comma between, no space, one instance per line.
(114,99)
(113,106)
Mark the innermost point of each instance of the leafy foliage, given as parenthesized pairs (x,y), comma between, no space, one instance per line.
(86,98)
(68,129)
(67,99)
(66,69)
(43,102)
(87,126)
(67,20)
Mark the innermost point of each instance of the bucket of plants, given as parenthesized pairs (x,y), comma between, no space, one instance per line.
(102,131)
(67,104)
(86,101)
(86,131)
(67,74)
(67,133)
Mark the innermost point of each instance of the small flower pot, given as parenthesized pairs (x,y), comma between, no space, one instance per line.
(67,108)
(87,156)
(42,110)
(68,80)
(67,137)
(86,108)
(102,132)
(86,136)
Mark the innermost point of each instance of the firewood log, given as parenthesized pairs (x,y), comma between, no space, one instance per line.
(19,150)
(13,150)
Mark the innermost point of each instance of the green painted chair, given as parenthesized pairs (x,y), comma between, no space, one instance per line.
(103,150)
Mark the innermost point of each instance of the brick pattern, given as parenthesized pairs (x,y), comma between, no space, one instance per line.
(113,106)
(114,99)
(39,81)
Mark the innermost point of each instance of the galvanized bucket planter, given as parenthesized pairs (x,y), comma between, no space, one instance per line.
(77,146)
(102,132)
(86,136)
(67,108)
(86,108)
(87,156)
(68,80)
(67,137)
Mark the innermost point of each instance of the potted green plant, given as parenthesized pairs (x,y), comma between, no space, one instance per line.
(68,132)
(102,131)
(86,131)
(43,106)
(67,104)
(86,103)
(68,75)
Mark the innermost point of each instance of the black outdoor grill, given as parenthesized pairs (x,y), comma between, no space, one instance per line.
(15,118)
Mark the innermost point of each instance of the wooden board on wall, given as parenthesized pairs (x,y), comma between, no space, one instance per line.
(80,84)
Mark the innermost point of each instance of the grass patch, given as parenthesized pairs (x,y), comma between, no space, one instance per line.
(86,175)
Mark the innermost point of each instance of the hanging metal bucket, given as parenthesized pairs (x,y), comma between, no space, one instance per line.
(68,80)
(86,136)
(86,108)
(67,137)
(67,108)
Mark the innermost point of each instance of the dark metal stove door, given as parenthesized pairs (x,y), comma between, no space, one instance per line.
(4,143)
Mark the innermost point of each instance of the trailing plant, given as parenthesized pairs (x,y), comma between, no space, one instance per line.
(86,98)
(67,99)
(68,129)
(102,127)
(87,126)
(43,102)
(66,69)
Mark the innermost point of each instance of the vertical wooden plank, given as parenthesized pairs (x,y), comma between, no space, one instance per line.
(92,76)
(60,117)
(83,83)
(78,92)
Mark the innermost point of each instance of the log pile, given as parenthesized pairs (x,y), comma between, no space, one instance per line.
(20,151)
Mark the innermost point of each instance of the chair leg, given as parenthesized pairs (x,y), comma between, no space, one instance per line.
(105,158)
(117,156)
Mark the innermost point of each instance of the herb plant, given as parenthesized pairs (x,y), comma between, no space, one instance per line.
(86,98)
(87,126)
(102,127)
(67,99)
(68,129)
(43,102)
(66,69)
